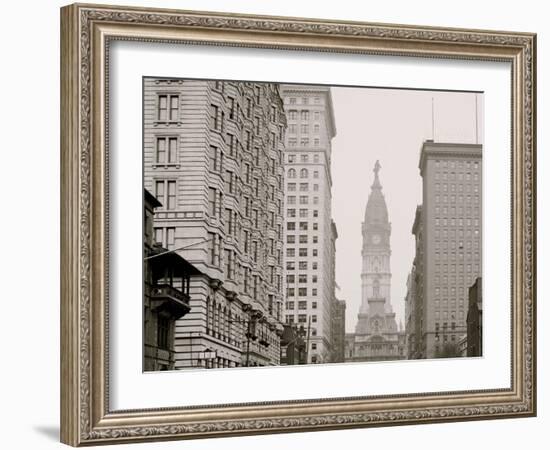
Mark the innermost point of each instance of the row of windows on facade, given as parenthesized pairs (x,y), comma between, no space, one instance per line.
(445,187)
(167,153)
(460,211)
(302,265)
(233,221)
(302,252)
(217,123)
(258,93)
(217,159)
(458,233)
(444,327)
(305,128)
(302,226)
(303,200)
(457,164)
(304,187)
(304,173)
(457,176)
(168,106)
(233,270)
(302,100)
(302,278)
(304,158)
(301,318)
(304,142)
(448,315)
(461,268)
(303,213)
(231,327)
(302,239)
(302,305)
(302,292)
(454,222)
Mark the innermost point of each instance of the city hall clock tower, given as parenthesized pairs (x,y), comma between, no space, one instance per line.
(376,335)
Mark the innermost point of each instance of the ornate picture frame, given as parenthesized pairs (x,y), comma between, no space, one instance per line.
(86,33)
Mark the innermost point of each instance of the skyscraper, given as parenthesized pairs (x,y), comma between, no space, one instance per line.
(451,239)
(213,158)
(377,336)
(309,233)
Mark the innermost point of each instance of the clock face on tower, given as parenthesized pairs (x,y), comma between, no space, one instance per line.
(375,239)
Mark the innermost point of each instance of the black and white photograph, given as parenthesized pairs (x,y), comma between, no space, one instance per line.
(291,224)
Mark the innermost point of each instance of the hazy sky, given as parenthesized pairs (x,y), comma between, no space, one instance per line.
(388,125)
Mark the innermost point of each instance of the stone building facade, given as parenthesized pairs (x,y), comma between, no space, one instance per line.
(450,258)
(213,154)
(377,336)
(309,251)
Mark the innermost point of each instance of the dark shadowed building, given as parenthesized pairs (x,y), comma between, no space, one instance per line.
(474,319)
(166,294)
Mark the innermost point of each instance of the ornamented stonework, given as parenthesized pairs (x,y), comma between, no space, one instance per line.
(377,336)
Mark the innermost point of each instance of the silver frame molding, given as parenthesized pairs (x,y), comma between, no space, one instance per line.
(86,31)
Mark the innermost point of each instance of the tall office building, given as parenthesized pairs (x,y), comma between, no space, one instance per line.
(213,155)
(377,336)
(451,257)
(309,232)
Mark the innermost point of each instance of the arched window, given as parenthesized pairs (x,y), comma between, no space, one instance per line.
(292,173)
(303,173)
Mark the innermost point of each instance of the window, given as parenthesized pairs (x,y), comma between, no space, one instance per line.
(291,226)
(302,318)
(291,173)
(289,305)
(167,150)
(291,213)
(214,117)
(302,252)
(168,107)
(212,201)
(303,128)
(291,239)
(314,319)
(316,174)
(228,221)
(304,115)
(303,226)
(303,173)
(163,330)
(302,265)
(302,278)
(303,199)
(165,192)
(291,200)
(231,107)
(216,159)
(290,252)
(290,293)
(302,304)
(302,292)
(303,239)
(303,213)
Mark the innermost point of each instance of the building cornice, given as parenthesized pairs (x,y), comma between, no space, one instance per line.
(446,150)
